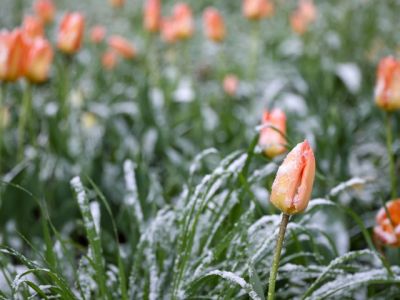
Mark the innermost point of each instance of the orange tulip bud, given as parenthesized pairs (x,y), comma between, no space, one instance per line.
(387,88)
(97,34)
(214,26)
(116,3)
(298,23)
(385,231)
(152,15)
(109,59)
(33,26)
(272,136)
(231,83)
(293,183)
(13,49)
(39,60)
(308,10)
(183,21)
(122,47)
(168,32)
(45,10)
(71,32)
(257,9)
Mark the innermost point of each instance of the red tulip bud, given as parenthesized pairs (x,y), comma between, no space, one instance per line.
(33,27)
(214,26)
(97,34)
(121,46)
(257,9)
(387,88)
(152,15)
(231,83)
(39,60)
(272,135)
(45,10)
(183,21)
(71,32)
(293,183)
(385,231)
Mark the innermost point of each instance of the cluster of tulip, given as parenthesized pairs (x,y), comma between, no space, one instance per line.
(387,97)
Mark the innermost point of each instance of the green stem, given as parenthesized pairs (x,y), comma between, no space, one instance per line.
(2,123)
(389,145)
(23,119)
(278,250)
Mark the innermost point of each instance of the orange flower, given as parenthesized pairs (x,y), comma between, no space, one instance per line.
(214,26)
(122,47)
(292,187)
(168,32)
(117,3)
(301,18)
(231,83)
(97,34)
(183,21)
(387,88)
(298,23)
(45,10)
(152,15)
(385,231)
(33,26)
(109,59)
(13,49)
(308,10)
(257,9)
(272,141)
(39,59)
(71,32)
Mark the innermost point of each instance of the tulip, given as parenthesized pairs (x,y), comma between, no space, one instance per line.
(183,21)
(122,47)
(298,23)
(97,34)
(116,3)
(257,9)
(308,10)
(168,32)
(71,32)
(152,15)
(387,88)
(13,49)
(272,136)
(109,60)
(33,27)
(214,26)
(231,83)
(293,183)
(387,230)
(45,10)
(39,60)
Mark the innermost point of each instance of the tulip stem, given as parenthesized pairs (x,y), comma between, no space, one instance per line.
(255,45)
(23,118)
(2,123)
(389,145)
(278,250)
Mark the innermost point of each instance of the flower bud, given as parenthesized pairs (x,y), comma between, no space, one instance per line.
(294,180)
(387,88)
(257,9)
(183,21)
(272,135)
(39,60)
(109,60)
(231,83)
(117,3)
(13,49)
(97,34)
(152,15)
(33,27)
(71,32)
(213,24)
(168,32)
(385,231)
(122,47)
(45,10)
